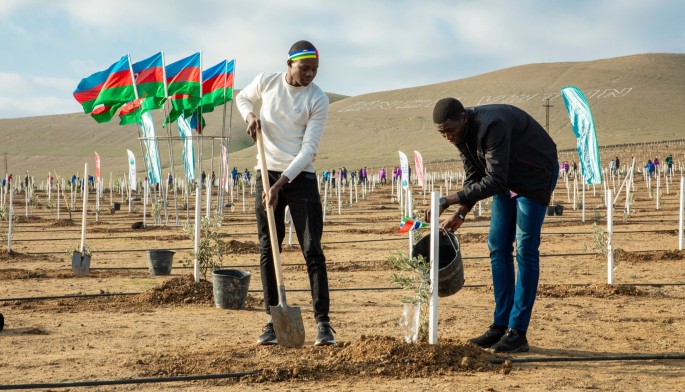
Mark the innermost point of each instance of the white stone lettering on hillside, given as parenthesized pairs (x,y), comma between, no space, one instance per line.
(613,93)
(372,105)
(484,100)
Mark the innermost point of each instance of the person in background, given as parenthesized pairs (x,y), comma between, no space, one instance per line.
(508,156)
(649,166)
(292,120)
(612,167)
(246,177)
(669,164)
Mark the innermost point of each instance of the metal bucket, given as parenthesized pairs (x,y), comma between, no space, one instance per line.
(80,264)
(451,272)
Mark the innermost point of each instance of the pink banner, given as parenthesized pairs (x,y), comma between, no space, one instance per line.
(418,163)
(97,166)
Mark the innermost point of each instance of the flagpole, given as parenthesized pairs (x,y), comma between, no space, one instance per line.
(198,111)
(171,145)
(230,120)
(220,196)
(135,92)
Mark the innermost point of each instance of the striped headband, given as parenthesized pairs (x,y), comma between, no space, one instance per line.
(303,54)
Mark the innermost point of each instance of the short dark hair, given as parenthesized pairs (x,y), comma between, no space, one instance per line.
(447,109)
(302,45)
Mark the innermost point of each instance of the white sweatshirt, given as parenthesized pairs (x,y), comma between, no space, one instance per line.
(293,121)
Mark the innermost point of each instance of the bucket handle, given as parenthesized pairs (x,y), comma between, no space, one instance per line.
(455,245)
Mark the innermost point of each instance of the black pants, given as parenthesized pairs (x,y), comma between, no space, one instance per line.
(302,195)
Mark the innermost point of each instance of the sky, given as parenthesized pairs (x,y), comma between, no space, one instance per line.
(365,46)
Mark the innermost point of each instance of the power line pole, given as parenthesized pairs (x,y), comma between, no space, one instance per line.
(547,106)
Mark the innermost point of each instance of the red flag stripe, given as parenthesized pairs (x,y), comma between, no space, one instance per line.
(150,75)
(118,79)
(188,74)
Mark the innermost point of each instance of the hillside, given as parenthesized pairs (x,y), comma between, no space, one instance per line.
(633,98)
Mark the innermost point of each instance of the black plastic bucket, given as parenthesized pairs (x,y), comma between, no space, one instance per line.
(230,288)
(550,210)
(159,261)
(451,272)
(559,209)
(116,206)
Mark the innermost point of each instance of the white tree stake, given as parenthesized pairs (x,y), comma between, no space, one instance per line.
(196,244)
(85,209)
(658,186)
(325,199)
(58,197)
(583,206)
(680,213)
(610,250)
(410,215)
(11,217)
(208,205)
(434,263)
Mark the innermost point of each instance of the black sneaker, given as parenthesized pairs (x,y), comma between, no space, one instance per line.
(268,336)
(512,342)
(324,334)
(490,337)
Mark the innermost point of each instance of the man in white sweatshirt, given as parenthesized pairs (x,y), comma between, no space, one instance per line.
(292,119)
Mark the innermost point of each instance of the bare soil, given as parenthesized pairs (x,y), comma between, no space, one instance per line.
(159,326)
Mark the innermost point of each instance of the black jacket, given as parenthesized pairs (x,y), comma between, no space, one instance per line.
(504,148)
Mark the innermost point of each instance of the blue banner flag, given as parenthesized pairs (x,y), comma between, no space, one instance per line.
(586,135)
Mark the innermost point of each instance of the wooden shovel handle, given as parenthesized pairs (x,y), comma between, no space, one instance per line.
(272,221)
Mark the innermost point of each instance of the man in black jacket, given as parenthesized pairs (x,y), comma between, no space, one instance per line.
(509,156)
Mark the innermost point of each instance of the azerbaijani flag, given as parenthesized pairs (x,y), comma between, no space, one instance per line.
(104,113)
(118,88)
(131,112)
(149,76)
(198,127)
(409,224)
(183,76)
(217,85)
(181,104)
(105,86)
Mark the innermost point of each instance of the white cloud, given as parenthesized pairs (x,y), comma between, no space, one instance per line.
(365,46)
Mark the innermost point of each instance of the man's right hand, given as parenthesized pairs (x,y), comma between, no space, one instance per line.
(253,125)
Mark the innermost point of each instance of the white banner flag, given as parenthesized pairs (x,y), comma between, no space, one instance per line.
(188,153)
(154,171)
(131,169)
(404,165)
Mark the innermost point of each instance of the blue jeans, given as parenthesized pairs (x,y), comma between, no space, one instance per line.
(302,195)
(518,219)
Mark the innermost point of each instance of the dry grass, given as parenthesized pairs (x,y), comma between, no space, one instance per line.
(368,130)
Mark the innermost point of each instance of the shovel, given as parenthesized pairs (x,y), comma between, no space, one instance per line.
(287,320)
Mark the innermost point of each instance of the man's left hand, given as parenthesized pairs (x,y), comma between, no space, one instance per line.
(455,220)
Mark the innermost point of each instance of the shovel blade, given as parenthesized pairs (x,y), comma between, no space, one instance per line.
(288,325)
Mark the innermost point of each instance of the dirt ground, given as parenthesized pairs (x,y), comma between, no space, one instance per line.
(169,326)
